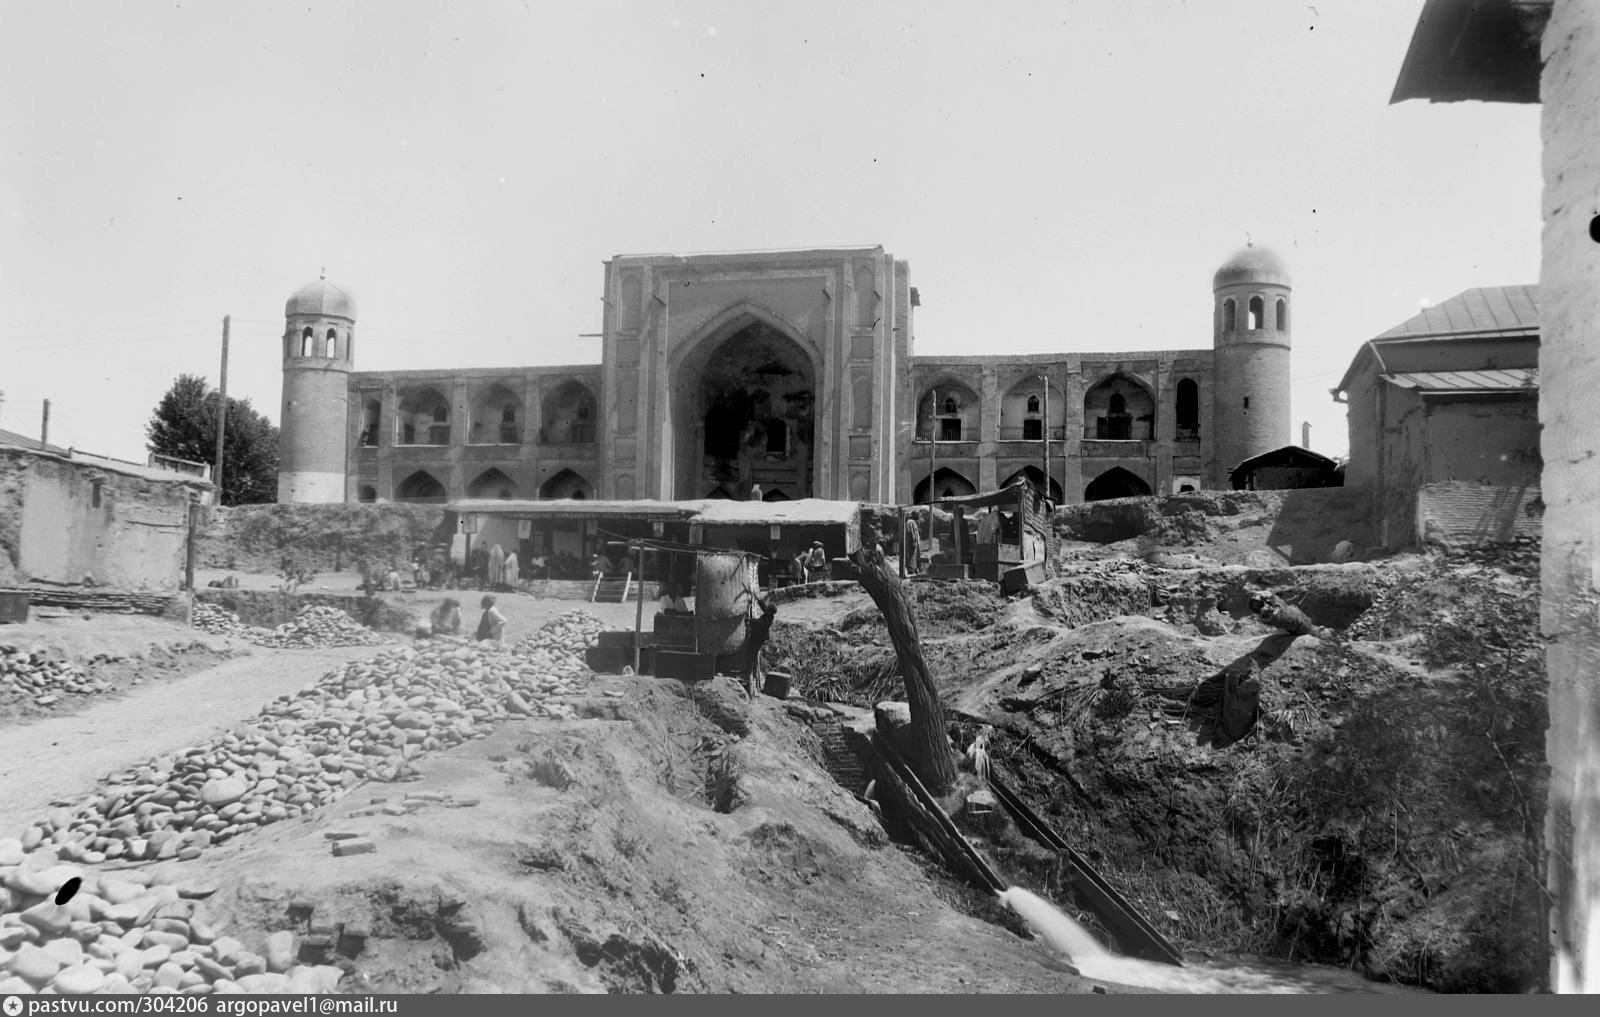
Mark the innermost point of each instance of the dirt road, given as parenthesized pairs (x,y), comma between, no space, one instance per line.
(63,757)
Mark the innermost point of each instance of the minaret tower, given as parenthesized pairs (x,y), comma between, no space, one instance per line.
(318,347)
(1250,372)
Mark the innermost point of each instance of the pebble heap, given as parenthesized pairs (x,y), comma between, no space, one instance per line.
(36,675)
(141,931)
(316,625)
(365,721)
(214,620)
(132,932)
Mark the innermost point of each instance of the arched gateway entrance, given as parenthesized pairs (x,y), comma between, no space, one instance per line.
(743,406)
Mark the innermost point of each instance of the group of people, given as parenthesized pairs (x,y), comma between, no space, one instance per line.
(494,568)
(446,621)
(810,565)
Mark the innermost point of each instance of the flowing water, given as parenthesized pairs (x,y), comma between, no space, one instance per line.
(1067,937)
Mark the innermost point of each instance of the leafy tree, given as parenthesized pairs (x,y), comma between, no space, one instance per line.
(184,426)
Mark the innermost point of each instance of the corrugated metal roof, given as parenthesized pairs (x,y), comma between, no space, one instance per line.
(1488,309)
(1467,381)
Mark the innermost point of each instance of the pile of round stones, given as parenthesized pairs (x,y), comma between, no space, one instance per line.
(37,675)
(216,621)
(130,932)
(364,721)
(321,625)
(140,930)
(316,625)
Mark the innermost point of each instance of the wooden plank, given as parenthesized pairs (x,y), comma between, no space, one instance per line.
(1135,935)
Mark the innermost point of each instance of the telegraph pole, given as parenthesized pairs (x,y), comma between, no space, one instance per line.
(222,406)
(44,427)
(1045,381)
(933,455)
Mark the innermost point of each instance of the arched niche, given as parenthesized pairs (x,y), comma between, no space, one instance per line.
(424,417)
(421,487)
(1116,483)
(495,416)
(947,483)
(948,410)
(1023,409)
(569,415)
(566,484)
(1119,409)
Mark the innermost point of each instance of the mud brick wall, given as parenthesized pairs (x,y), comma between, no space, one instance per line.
(327,538)
(1459,514)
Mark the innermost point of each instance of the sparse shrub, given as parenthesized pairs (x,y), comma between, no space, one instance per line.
(551,771)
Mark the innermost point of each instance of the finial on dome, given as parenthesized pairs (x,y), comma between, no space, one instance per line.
(324,273)
(1249,241)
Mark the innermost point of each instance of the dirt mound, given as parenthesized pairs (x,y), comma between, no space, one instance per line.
(1261,528)
(595,861)
(1378,806)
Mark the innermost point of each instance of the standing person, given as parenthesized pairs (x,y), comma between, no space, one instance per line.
(513,571)
(492,626)
(911,546)
(497,567)
(757,632)
(816,561)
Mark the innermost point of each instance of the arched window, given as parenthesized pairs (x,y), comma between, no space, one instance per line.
(1188,410)
(1118,405)
(1228,315)
(306,339)
(1257,311)
(439,413)
(1033,404)
(508,425)
(369,423)
(1283,315)
(333,343)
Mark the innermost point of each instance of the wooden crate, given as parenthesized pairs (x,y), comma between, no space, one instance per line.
(1017,579)
(984,554)
(685,666)
(674,631)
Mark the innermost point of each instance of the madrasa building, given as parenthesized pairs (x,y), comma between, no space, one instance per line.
(784,375)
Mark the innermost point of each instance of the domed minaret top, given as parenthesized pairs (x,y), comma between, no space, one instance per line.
(321,298)
(1251,264)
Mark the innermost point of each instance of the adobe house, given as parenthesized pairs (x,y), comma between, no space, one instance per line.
(1444,420)
(80,530)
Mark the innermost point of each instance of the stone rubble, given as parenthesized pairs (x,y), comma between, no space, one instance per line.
(39,676)
(139,930)
(365,721)
(133,932)
(316,625)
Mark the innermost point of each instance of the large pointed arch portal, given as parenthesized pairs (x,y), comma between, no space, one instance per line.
(743,400)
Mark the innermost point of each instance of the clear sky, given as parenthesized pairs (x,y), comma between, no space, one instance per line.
(1060,175)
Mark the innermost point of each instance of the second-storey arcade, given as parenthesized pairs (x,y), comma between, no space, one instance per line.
(785,375)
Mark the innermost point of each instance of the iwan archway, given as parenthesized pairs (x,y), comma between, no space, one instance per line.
(743,404)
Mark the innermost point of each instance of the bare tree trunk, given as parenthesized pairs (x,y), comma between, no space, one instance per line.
(929,753)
